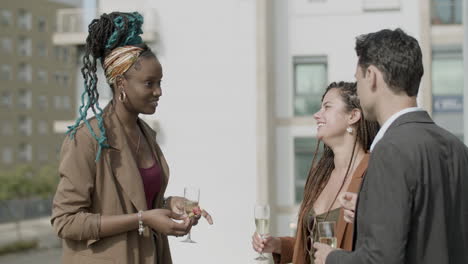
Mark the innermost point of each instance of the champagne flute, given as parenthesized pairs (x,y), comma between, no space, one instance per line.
(262,218)
(192,197)
(326,231)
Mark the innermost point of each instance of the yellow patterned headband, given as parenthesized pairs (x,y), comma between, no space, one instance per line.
(119,61)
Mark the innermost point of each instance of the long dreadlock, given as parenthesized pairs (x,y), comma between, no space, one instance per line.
(110,31)
(320,171)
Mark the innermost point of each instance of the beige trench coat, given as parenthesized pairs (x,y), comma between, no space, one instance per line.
(110,186)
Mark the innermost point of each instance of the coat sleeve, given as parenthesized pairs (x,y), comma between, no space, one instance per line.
(71,216)
(384,210)
(287,250)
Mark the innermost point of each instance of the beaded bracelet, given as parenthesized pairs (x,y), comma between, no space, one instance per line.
(141,228)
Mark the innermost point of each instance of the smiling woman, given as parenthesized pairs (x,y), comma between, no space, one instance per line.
(109,206)
(347,137)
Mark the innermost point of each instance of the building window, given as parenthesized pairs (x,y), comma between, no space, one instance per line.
(65,54)
(42,127)
(6,17)
(57,102)
(42,102)
(24,72)
(310,80)
(25,152)
(57,77)
(5,73)
(65,79)
(7,155)
(25,99)
(304,149)
(42,153)
(41,24)
(66,104)
(62,102)
(42,49)
(25,126)
(446,12)
(6,100)
(24,46)
(447,89)
(7,128)
(6,45)
(24,19)
(57,51)
(42,76)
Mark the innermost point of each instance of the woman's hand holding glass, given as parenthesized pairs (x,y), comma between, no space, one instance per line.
(162,221)
(268,244)
(177,205)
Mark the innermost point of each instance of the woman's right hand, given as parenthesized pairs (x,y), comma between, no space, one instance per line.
(162,221)
(267,245)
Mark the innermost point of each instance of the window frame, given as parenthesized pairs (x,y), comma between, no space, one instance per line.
(306,60)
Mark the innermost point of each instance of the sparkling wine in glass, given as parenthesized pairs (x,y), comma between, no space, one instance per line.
(192,197)
(262,223)
(326,231)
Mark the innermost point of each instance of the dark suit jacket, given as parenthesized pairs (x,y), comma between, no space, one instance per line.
(413,203)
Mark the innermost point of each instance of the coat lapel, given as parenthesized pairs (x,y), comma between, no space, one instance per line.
(162,244)
(122,162)
(353,187)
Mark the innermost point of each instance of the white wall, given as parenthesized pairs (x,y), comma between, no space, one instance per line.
(207,117)
(330,28)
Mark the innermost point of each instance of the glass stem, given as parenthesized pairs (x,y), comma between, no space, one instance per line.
(261,253)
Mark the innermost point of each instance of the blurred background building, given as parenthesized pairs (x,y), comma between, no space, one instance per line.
(37,82)
(242,79)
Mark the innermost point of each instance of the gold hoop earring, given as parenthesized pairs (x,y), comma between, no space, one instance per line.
(122,96)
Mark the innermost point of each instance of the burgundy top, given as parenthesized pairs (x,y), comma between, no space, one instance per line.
(152,182)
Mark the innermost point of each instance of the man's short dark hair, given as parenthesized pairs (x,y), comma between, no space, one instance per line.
(396,54)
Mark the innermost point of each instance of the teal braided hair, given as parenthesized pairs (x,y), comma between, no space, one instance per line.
(105,34)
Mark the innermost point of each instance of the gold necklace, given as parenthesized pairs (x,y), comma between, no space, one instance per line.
(138,142)
(139,134)
(348,172)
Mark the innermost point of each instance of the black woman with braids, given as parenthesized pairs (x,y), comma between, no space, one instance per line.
(347,137)
(109,206)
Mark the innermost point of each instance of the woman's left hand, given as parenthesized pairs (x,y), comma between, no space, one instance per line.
(177,204)
(321,252)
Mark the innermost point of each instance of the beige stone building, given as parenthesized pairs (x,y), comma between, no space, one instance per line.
(37,82)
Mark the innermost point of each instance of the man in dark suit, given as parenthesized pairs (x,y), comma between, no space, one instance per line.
(413,203)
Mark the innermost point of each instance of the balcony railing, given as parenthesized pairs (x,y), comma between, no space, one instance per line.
(75,21)
(70,20)
(446,12)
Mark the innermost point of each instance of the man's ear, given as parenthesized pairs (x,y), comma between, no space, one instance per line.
(372,74)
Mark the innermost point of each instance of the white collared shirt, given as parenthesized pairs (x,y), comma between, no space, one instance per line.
(389,121)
